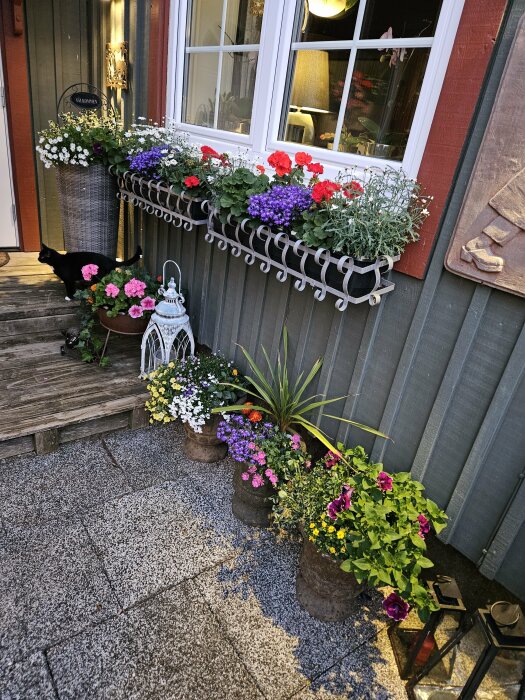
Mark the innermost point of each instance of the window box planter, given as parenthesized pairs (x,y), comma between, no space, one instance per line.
(163,201)
(352,281)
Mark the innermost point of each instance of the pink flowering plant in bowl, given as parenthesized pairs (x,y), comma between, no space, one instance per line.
(370,521)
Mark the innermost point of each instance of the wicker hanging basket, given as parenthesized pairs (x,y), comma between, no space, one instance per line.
(89,208)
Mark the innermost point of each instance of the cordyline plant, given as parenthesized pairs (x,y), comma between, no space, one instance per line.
(283,402)
(373,523)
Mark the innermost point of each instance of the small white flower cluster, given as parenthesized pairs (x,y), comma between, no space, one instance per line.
(190,409)
(62,150)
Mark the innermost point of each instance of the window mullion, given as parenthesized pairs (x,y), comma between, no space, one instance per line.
(219,67)
(349,73)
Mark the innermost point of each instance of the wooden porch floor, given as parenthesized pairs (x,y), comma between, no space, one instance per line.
(47,398)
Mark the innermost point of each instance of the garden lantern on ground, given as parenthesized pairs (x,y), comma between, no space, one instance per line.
(483,635)
(168,335)
(413,649)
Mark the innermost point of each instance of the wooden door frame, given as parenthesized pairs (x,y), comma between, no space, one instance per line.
(20,130)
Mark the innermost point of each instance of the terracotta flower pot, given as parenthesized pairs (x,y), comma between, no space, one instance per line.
(251,506)
(122,323)
(204,446)
(323,589)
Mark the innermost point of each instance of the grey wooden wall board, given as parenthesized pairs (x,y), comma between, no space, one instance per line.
(490,489)
(504,560)
(510,571)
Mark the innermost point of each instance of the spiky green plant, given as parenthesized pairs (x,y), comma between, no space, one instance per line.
(283,401)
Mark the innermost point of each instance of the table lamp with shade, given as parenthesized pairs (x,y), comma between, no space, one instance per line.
(309,94)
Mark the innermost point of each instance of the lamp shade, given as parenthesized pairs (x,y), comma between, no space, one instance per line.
(310,82)
(326,8)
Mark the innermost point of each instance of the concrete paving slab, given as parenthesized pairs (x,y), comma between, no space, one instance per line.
(58,486)
(148,456)
(171,647)
(368,673)
(254,596)
(51,586)
(152,539)
(26,680)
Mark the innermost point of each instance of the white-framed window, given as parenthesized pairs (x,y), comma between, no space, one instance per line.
(354,82)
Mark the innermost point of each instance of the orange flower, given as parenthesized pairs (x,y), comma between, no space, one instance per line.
(255,416)
(93,287)
(247,411)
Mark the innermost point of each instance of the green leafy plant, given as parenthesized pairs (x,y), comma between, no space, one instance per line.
(232,190)
(367,217)
(284,402)
(372,522)
(81,139)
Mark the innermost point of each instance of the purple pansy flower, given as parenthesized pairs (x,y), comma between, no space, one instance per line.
(342,502)
(384,481)
(395,607)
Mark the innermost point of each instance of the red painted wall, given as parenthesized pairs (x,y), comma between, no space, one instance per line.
(19,122)
(158,59)
(468,63)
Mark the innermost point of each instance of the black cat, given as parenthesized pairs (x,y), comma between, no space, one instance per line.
(68,266)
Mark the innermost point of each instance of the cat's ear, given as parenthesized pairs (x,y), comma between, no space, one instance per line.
(44,247)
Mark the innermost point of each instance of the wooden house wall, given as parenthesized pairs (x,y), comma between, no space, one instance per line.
(438,366)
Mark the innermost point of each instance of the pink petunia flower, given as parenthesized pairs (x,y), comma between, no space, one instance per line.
(88,271)
(260,457)
(112,290)
(424,526)
(384,481)
(251,446)
(245,476)
(252,469)
(148,303)
(135,311)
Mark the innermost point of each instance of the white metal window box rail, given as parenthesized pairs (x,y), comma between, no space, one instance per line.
(162,200)
(341,276)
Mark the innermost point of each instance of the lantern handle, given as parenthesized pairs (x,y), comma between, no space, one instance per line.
(164,274)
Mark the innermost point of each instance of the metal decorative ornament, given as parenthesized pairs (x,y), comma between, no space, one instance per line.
(168,336)
(117,65)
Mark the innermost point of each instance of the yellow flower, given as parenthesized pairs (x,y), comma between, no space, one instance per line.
(332,550)
(162,390)
(343,549)
(323,516)
(340,534)
(171,365)
(324,524)
(331,528)
(167,419)
(311,538)
(235,372)
(312,525)
(316,532)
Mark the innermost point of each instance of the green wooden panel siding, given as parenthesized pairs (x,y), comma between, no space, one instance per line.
(438,366)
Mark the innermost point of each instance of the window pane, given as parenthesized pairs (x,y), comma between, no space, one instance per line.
(204,22)
(236,95)
(408,18)
(326,20)
(199,88)
(243,21)
(382,101)
(312,106)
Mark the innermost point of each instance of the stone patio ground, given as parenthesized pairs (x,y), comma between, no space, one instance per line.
(125,575)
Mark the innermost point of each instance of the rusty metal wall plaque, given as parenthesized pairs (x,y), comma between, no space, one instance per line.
(488,244)
(117,65)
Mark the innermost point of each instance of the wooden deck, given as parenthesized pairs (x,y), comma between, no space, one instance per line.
(47,398)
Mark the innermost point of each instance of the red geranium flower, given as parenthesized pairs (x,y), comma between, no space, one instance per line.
(192,181)
(281,163)
(260,168)
(255,416)
(323,191)
(209,152)
(315,168)
(353,189)
(303,158)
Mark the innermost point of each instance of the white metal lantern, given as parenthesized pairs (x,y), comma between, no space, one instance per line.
(168,335)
